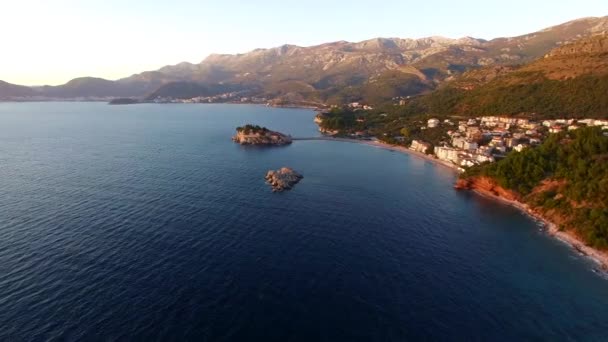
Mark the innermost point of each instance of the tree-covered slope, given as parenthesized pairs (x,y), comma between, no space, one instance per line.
(569,81)
(565,179)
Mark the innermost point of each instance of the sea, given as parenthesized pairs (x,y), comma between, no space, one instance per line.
(147,223)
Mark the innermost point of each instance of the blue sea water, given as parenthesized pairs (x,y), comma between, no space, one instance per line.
(146,222)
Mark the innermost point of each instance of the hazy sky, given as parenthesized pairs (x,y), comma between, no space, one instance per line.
(53,41)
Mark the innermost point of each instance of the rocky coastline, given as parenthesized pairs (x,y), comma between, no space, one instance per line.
(487,187)
(282,179)
(256,135)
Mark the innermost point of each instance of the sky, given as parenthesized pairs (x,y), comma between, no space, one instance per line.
(53,41)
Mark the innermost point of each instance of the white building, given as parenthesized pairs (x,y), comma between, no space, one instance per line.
(447,154)
(464,144)
(432,123)
(467,162)
(482,158)
(420,146)
(484,150)
(531,132)
(600,122)
(501,149)
(548,123)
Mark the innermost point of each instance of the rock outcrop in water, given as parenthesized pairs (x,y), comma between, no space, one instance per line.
(256,135)
(282,179)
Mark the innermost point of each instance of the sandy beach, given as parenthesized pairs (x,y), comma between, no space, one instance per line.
(395,148)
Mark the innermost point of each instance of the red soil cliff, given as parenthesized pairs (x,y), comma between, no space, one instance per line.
(487,186)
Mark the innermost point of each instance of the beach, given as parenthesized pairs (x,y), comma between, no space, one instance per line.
(599,257)
(567,237)
(390,147)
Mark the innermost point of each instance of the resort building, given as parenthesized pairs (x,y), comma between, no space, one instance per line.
(447,154)
(420,146)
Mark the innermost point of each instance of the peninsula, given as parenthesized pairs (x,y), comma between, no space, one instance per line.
(256,135)
(124,101)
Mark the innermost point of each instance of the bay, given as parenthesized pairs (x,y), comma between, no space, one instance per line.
(146,222)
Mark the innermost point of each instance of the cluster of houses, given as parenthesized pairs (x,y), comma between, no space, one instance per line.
(556,126)
(479,140)
(359,106)
(485,139)
(234,97)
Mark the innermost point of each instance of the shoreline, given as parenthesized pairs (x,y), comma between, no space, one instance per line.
(578,245)
(395,148)
(306,107)
(600,258)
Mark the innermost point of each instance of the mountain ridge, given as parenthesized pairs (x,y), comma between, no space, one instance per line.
(8,90)
(372,70)
(570,80)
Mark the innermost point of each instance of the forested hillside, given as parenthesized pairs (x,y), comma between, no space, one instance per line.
(570,81)
(565,178)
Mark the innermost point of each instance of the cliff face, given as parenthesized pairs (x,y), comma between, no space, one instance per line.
(261,138)
(487,186)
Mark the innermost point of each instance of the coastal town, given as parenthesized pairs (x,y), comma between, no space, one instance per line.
(230,97)
(463,143)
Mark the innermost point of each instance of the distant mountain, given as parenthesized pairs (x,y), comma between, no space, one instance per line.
(570,80)
(98,87)
(8,90)
(374,70)
(583,57)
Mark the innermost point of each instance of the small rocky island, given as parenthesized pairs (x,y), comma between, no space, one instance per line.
(282,179)
(256,135)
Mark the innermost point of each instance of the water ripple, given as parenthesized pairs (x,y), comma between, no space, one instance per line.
(146,223)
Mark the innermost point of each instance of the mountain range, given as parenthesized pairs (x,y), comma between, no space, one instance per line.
(370,71)
(571,80)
